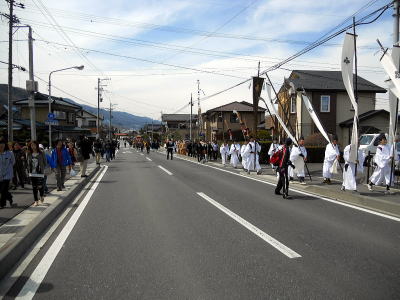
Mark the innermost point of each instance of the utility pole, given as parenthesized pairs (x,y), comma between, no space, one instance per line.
(198,109)
(109,132)
(152,130)
(99,99)
(98,109)
(191,112)
(10,75)
(31,87)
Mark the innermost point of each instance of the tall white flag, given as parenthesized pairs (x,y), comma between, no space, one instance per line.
(348,52)
(272,109)
(388,63)
(317,122)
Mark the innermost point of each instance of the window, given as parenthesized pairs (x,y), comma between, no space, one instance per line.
(234,118)
(293,105)
(71,118)
(325,103)
(60,115)
(92,123)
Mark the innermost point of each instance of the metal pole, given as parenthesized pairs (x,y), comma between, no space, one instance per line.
(355,86)
(32,92)
(50,108)
(98,108)
(198,109)
(109,131)
(191,112)
(10,75)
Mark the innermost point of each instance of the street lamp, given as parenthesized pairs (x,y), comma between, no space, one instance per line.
(75,67)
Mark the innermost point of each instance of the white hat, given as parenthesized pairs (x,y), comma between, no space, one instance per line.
(41,146)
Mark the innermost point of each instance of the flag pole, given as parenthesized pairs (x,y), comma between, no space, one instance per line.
(279,102)
(356,89)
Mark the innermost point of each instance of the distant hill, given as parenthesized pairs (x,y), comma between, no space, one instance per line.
(120,118)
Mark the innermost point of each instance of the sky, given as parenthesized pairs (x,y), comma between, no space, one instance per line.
(154,52)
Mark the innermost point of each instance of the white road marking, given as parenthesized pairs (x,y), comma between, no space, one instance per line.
(141,154)
(261,234)
(9,281)
(149,159)
(165,170)
(301,192)
(36,278)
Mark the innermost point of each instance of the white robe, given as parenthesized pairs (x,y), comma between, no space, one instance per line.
(234,152)
(298,161)
(383,161)
(243,155)
(250,157)
(331,152)
(272,149)
(349,178)
(224,150)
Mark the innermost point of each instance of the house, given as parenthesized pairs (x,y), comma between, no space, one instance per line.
(88,120)
(64,111)
(218,120)
(177,126)
(151,127)
(373,121)
(329,99)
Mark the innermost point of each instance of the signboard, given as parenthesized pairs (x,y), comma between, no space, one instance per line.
(51,122)
(51,116)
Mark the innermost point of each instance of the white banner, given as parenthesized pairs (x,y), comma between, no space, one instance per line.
(389,64)
(270,105)
(317,122)
(348,52)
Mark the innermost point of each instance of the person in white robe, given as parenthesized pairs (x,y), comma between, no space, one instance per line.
(252,156)
(235,152)
(243,155)
(298,157)
(382,159)
(272,149)
(224,150)
(331,155)
(349,171)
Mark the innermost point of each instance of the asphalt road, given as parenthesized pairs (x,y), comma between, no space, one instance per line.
(187,231)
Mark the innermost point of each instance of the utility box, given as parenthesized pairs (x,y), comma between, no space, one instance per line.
(31,86)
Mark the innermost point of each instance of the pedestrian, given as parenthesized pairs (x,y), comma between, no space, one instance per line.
(272,149)
(60,160)
(7,162)
(107,148)
(349,172)
(234,152)
(148,147)
(170,149)
(298,156)
(19,166)
(114,146)
(73,152)
(224,150)
(252,156)
(284,163)
(98,147)
(331,158)
(243,155)
(36,161)
(85,148)
(47,169)
(215,150)
(201,152)
(382,160)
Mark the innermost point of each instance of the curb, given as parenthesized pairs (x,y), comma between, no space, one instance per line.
(22,241)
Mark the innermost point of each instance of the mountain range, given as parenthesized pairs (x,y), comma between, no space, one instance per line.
(119,118)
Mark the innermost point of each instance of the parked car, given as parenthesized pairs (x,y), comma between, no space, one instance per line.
(367,143)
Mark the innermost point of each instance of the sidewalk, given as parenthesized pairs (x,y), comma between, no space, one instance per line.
(22,225)
(375,200)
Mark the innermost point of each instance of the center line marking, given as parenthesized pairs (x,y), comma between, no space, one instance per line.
(165,170)
(269,239)
(149,159)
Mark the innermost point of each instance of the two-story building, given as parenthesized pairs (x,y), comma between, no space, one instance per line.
(178,125)
(88,120)
(218,120)
(64,111)
(330,102)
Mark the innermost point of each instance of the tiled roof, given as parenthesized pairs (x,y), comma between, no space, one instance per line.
(239,106)
(178,117)
(329,80)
